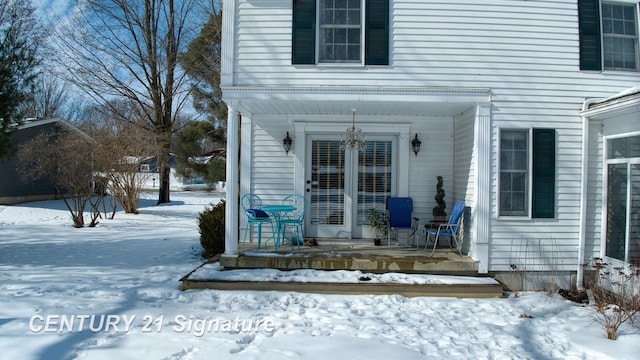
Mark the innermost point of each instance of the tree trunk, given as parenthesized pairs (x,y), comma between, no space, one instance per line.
(163,193)
(164,171)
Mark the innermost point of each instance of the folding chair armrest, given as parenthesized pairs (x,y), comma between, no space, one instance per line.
(445,226)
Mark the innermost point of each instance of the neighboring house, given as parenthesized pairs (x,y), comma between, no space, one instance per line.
(148,173)
(13,188)
(500,92)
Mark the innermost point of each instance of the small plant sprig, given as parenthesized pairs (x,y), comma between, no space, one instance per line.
(378,222)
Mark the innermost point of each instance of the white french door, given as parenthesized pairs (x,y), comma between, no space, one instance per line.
(342,185)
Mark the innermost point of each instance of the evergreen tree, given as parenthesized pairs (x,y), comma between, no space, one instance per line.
(201,62)
(19,43)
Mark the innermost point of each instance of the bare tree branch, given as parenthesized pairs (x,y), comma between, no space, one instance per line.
(128,49)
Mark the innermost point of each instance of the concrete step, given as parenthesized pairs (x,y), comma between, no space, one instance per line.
(212,275)
(408,290)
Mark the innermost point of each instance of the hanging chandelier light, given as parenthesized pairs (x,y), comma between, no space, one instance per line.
(354,138)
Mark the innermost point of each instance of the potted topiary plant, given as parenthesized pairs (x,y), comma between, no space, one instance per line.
(378,222)
(438,211)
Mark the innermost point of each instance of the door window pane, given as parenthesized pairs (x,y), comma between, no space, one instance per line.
(327,183)
(634,216)
(374,178)
(621,148)
(616,210)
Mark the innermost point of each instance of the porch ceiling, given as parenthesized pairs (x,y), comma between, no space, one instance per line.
(366,101)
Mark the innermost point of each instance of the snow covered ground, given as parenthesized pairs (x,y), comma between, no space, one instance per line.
(112,292)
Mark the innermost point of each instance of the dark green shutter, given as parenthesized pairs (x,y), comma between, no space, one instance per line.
(303,44)
(544,173)
(589,27)
(376,42)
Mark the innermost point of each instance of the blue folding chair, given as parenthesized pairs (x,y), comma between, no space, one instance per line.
(450,229)
(399,217)
(295,218)
(252,207)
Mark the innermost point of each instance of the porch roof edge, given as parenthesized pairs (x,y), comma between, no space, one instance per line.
(345,93)
(612,106)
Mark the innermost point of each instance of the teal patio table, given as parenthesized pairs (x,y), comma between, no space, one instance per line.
(278,211)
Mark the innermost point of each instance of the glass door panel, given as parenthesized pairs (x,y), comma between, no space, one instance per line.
(374,179)
(616,210)
(326,184)
(343,185)
(634,216)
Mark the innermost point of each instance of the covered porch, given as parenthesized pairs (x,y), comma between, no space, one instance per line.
(342,185)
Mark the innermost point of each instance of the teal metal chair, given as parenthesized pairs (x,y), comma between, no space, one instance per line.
(399,217)
(294,218)
(450,229)
(252,207)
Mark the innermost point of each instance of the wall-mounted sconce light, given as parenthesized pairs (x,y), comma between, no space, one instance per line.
(286,142)
(415,143)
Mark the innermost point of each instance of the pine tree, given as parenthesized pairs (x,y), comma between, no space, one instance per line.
(19,60)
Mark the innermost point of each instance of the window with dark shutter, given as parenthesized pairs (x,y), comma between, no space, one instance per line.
(334,38)
(589,28)
(377,32)
(543,176)
(303,47)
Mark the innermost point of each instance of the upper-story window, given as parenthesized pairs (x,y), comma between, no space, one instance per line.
(619,36)
(340,31)
(608,35)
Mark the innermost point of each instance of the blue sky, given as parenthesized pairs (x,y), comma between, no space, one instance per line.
(50,9)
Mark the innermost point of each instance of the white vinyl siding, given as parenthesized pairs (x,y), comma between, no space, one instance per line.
(464,167)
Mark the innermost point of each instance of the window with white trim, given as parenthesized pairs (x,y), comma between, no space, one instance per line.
(340,31)
(608,33)
(527,173)
(619,36)
(514,170)
(623,199)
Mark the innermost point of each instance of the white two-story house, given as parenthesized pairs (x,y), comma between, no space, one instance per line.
(529,110)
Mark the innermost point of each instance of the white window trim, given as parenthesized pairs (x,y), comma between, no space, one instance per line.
(637,14)
(319,35)
(529,174)
(605,195)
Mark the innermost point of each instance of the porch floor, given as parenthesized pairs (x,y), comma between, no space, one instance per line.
(338,254)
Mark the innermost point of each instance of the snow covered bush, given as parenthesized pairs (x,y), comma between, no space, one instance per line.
(212,230)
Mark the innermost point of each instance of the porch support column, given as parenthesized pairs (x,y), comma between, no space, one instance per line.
(245,168)
(228,42)
(482,209)
(231,214)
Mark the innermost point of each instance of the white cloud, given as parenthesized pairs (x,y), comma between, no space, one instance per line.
(53,9)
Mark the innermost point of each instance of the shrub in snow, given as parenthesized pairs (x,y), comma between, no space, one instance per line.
(616,296)
(212,230)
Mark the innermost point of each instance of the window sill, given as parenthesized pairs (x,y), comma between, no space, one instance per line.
(513,218)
